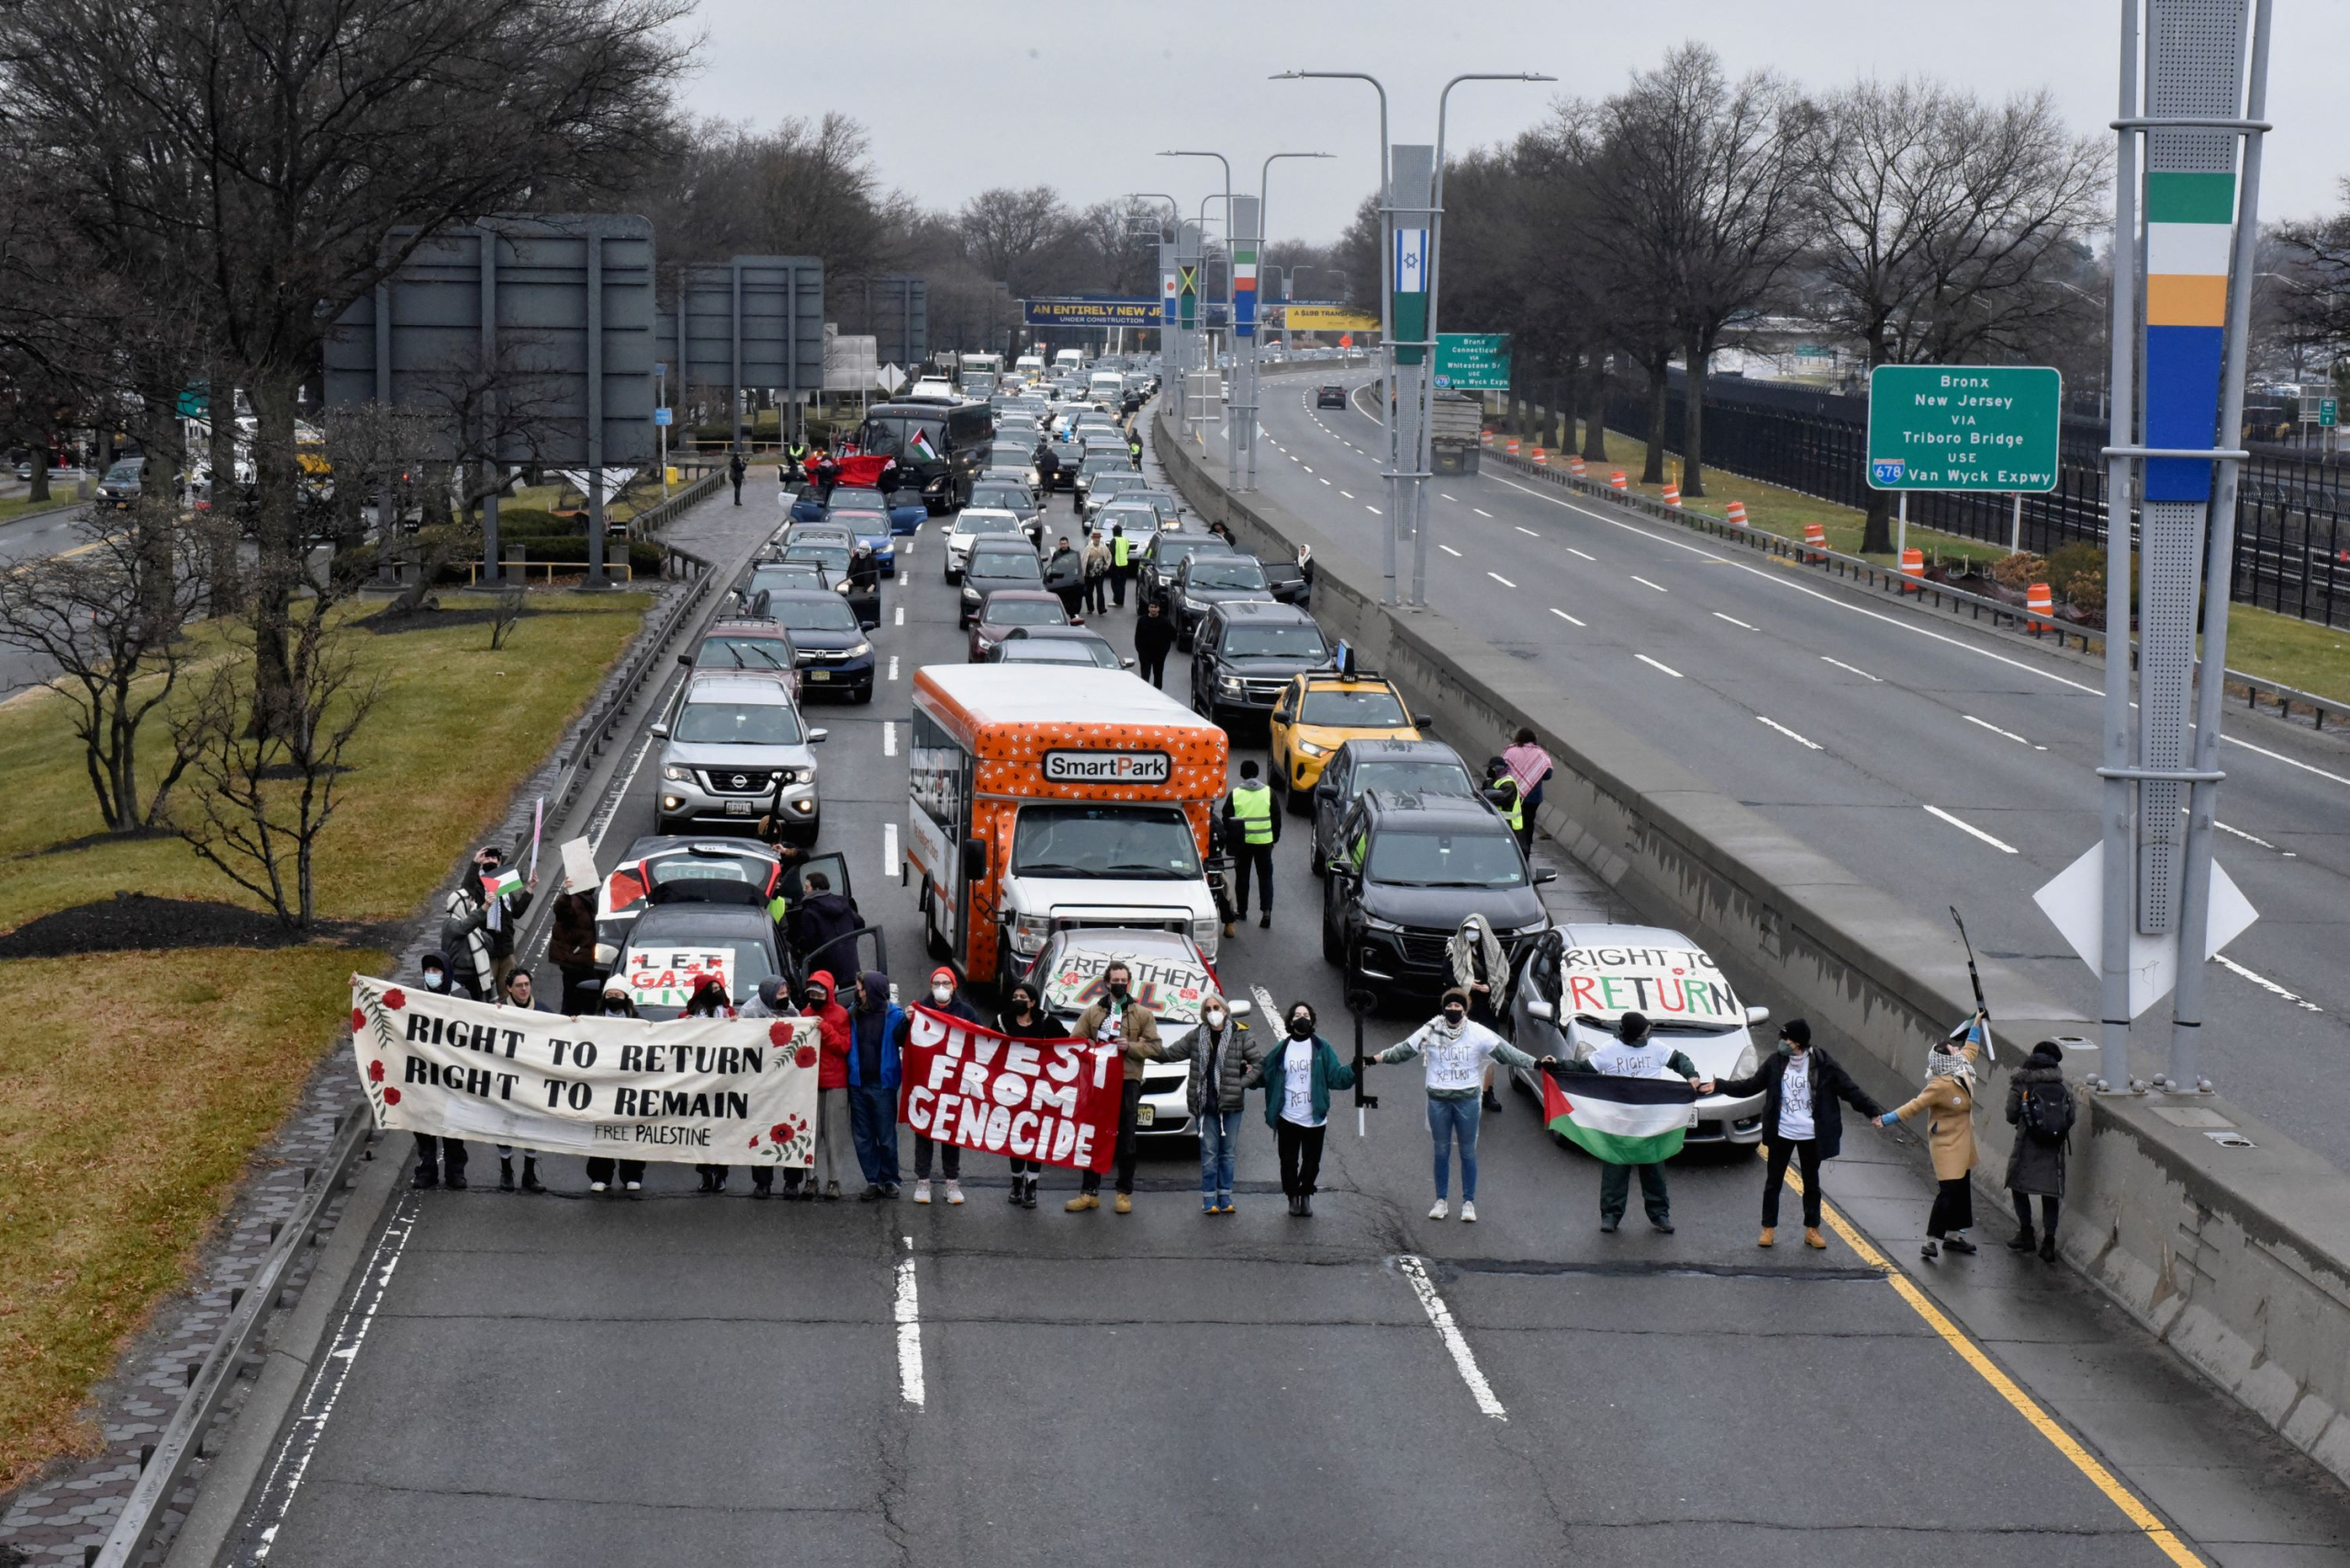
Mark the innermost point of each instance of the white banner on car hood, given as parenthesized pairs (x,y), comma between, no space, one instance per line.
(715,1091)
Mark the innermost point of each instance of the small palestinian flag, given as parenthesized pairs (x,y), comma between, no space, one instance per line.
(495,885)
(1624,1121)
(920,446)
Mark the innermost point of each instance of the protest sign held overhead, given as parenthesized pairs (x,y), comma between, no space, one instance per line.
(971,1086)
(717,1091)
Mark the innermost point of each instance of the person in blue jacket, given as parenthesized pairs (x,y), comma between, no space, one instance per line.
(873,1026)
(1297,1075)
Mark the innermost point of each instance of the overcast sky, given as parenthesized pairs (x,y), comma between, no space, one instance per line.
(963,95)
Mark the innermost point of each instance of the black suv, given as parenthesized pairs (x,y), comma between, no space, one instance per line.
(1410,869)
(1331,396)
(1364,764)
(1163,557)
(1207,580)
(1244,652)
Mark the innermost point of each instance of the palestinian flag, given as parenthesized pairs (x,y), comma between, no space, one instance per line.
(920,446)
(1624,1121)
(495,885)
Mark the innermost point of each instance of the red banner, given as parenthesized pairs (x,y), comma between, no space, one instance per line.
(1051,1100)
(864,472)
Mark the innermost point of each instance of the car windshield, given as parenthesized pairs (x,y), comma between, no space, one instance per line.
(816,615)
(1027,653)
(862,519)
(1275,642)
(860,498)
(1354,709)
(1007,497)
(702,867)
(834,558)
(1121,842)
(986,522)
(1026,612)
(737,723)
(125,472)
(887,437)
(1446,860)
(1435,777)
(1005,565)
(779,575)
(745,653)
(1227,572)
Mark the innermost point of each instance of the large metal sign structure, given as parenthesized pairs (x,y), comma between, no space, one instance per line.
(531,333)
(897,312)
(1965,426)
(756,322)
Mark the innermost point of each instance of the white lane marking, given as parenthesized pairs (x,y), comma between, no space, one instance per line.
(1319,476)
(1573,551)
(893,667)
(1644,582)
(1501,579)
(909,1315)
(1564,616)
(1373,510)
(1309,467)
(901,621)
(2268,985)
(889,849)
(1611,521)
(1799,740)
(1667,668)
(1349,494)
(1481,511)
(1448,495)
(1735,621)
(2278,756)
(1463,1360)
(1449,550)
(889,738)
(1527,531)
(1970,827)
(1994,729)
(613,806)
(2248,838)
(1855,669)
(334,1372)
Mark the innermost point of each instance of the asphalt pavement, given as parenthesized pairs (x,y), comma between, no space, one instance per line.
(1948,763)
(31,538)
(578,1380)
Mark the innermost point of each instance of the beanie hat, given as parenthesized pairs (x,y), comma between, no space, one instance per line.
(1632,1028)
(1248,769)
(942,973)
(1796,1031)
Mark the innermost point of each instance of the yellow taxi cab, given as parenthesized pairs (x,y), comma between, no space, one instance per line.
(1322,709)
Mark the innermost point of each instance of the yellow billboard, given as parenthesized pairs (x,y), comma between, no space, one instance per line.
(1327,319)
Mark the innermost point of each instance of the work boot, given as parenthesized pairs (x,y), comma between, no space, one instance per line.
(1813,1239)
(456,1183)
(1492,1101)
(505,1174)
(1232,928)
(1082,1202)
(1265,921)
(1769,1236)
(1030,1201)
(425,1177)
(530,1182)
(1124,1205)
(2048,1248)
(1019,1185)
(2025,1241)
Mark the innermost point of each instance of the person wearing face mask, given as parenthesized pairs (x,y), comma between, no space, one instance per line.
(435,1154)
(1118,1020)
(873,1070)
(1022,1019)
(1801,1086)
(1216,1092)
(1297,1075)
(708,1001)
(1948,1105)
(944,998)
(521,992)
(1459,1056)
(602,1170)
(1636,1052)
(773,1000)
(831,1088)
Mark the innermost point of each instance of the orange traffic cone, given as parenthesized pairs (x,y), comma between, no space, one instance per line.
(1541,458)
(1913,564)
(1485,438)
(2041,602)
(1616,480)
(1738,513)
(1673,495)
(1512,448)
(1574,466)
(1814,536)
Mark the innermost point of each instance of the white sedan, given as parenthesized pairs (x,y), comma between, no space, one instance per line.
(969,524)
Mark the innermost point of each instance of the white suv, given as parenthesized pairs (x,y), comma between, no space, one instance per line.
(734,750)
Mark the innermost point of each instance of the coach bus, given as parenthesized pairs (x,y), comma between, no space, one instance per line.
(941,444)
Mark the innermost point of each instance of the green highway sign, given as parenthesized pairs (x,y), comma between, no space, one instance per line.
(2329,411)
(1963,427)
(1472,361)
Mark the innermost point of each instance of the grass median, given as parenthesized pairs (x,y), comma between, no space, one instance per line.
(140,1083)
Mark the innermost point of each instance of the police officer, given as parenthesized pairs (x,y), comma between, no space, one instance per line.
(1253,828)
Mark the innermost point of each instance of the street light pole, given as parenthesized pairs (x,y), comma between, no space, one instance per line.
(1231,455)
(1170,348)
(1264,232)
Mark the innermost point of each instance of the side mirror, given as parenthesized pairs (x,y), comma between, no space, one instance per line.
(975,857)
(817,737)
(1546,874)
(660,731)
(1342,867)
(1758,1015)
(688,659)
(1239,1009)
(1536,1007)
(1422,721)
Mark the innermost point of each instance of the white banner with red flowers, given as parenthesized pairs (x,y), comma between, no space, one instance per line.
(706,1090)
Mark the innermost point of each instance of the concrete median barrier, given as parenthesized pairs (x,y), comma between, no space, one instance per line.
(2228,1240)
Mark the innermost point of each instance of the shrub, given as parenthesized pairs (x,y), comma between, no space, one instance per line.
(2080,563)
(2020,571)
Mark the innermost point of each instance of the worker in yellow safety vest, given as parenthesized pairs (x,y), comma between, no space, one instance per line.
(1121,563)
(1502,793)
(1252,827)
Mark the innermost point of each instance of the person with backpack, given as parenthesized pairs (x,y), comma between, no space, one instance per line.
(1801,1084)
(2041,1109)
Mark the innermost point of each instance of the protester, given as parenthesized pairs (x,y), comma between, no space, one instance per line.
(617,1003)
(1530,765)
(1097,574)
(772,1000)
(520,992)
(944,998)
(873,1084)
(828,474)
(571,948)
(832,1132)
(1049,467)
(1801,1084)
(1252,827)
(1635,1053)
(864,570)
(1461,1054)
(1297,1075)
(1064,575)
(710,1001)
(1948,1105)
(1219,529)
(1479,963)
(2041,1109)
(1154,637)
(1216,1093)
(822,921)
(1023,1018)
(1118,1020)
(433,1153)
(734,470)
(464,933)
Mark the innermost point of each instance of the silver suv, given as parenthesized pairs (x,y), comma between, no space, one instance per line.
(734,750)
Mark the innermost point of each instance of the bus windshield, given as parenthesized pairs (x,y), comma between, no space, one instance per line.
(885,435)
(1109,841)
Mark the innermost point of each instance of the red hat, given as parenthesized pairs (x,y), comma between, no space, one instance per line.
(942,973)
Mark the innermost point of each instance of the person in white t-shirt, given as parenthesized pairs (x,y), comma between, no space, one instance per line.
(1298,1075)
(1457,1055)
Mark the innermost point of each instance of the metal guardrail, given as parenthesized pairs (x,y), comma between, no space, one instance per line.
(164,1463)
(652,518)
(2285,698)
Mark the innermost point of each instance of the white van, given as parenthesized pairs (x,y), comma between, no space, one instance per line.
(1106,388)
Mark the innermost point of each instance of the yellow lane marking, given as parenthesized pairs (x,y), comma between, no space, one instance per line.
(2104,1480)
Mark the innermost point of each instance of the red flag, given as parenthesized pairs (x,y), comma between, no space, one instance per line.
(1051,1100)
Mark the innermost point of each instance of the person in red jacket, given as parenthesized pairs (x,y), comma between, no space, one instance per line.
(832,1087)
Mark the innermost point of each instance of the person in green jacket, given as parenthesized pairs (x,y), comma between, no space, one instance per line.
(1297,1075)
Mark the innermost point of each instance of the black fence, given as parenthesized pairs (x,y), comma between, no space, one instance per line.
(2292,515)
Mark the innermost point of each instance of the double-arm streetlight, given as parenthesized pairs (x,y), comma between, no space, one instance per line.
(1248,460)
(1231,465)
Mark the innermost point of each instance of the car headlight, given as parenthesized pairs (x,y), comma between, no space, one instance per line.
(1535,929)
(859,651)
(1373,923)
(1207,932)
(676,774)
(1229,683)
(1747,1062)
(1309,749)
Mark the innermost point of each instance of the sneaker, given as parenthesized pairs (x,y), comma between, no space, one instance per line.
(1081,1203)
(595,1186)
(1124,1205)
(1959,1244)
(1265,921)
(424,1178)
(872,1193)
(1469,1212)
(1770,1234)
(456,1183)
(1813,1239)
(1929,1251)
(891,1190)
(921,1191)
(2025,1241)
(1663,1225)
(1223,1204)
(1608,1228)
(636,1186)
(954,1192)
(1439,1209)
(832,1190)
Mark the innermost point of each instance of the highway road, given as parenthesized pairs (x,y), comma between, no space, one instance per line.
(1949,764)
(31,538)
(577,1381)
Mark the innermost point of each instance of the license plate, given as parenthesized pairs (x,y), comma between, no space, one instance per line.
(738,808)
(1692,1123)
(819,675)
(1146,1114)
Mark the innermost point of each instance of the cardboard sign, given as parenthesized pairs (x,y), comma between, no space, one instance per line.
(578,865)
(665,977)
(1173,988)
(1051,1100)
(1665,983)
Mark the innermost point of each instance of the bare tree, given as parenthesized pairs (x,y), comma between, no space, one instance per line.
(807,187)
(111,616)
(1945,228)
(2312,302)
(1006,233)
